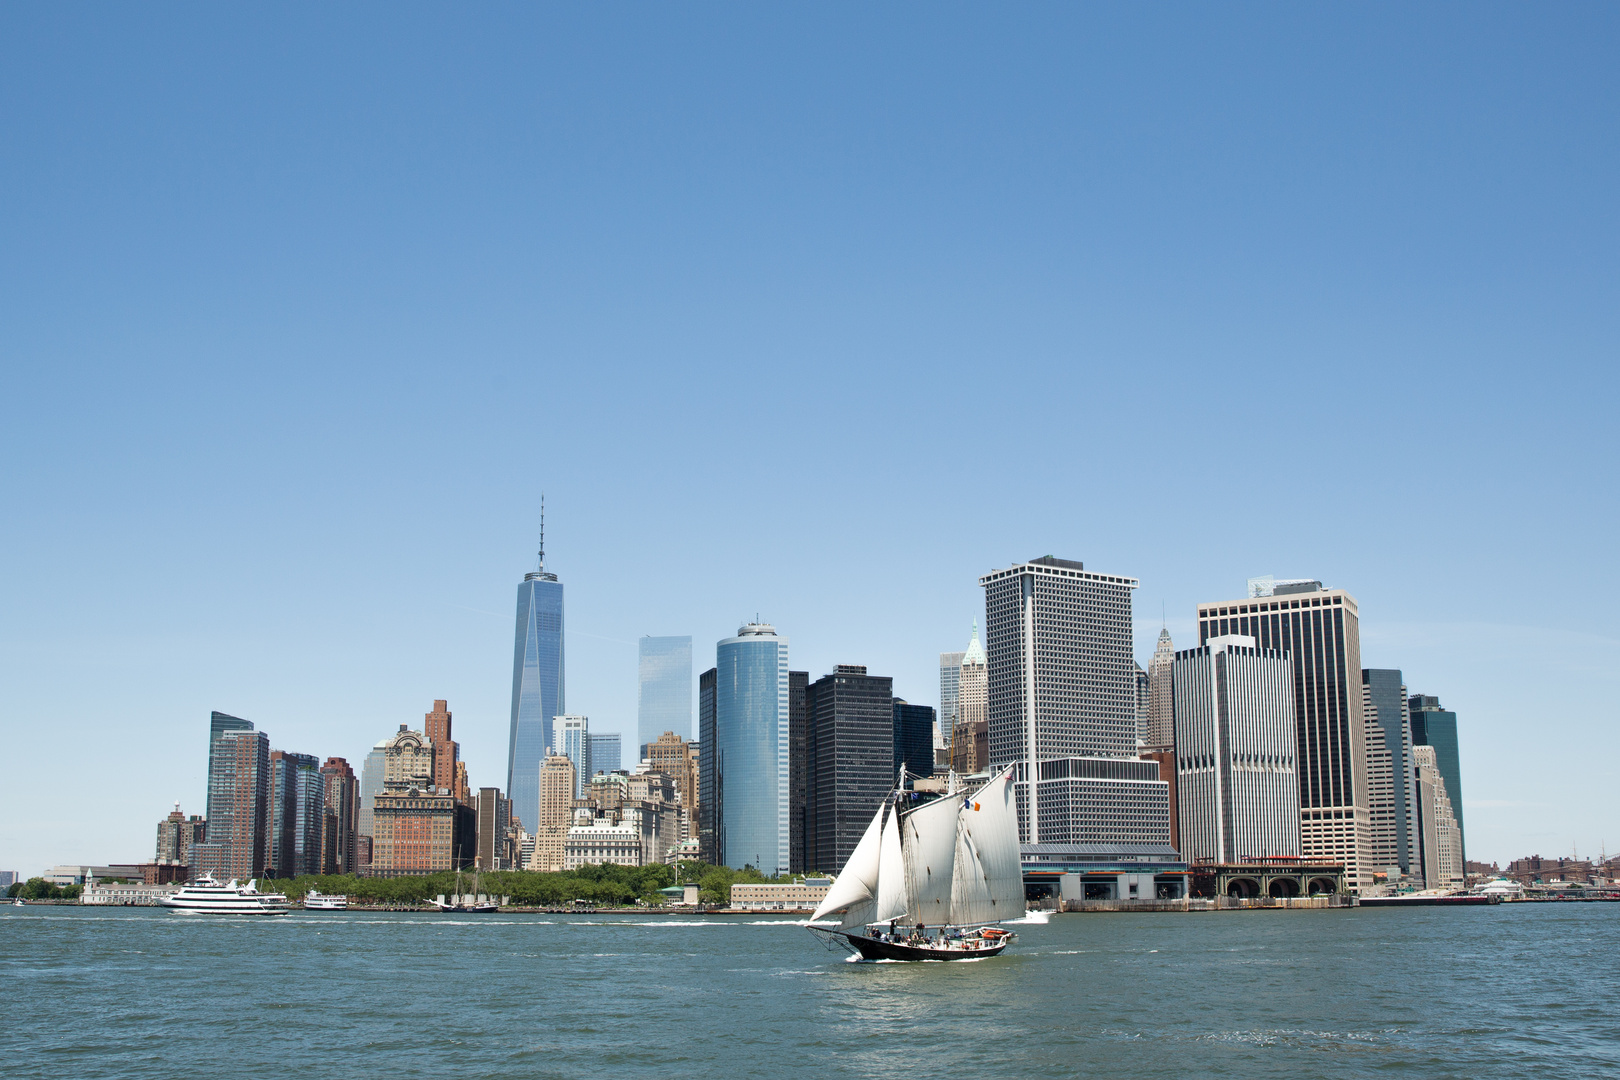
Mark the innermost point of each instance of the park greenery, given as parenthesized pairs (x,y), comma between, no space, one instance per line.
(37,888)
(604,885)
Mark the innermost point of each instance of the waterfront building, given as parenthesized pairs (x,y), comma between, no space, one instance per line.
(1440,834)
(1062,681)
(538,690)
(803,895)
(1165,758)
(851,755)
(663,688)
(1435,726)
(1236,752)
(605,752)
(751,747)
(418,827)
(1391,791)
(1319,629)
(913,737)
(602,842)
(558,780)
(1161,717)
(798,768)
(297,814)
(950,682)
(574,743)
(371,785)
(340,792)
(970,730)
(238,805)
(497,839)
(709,794)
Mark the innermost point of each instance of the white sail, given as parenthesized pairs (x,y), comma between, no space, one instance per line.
(856,883)
(891,886)
(929,833)
(988,881)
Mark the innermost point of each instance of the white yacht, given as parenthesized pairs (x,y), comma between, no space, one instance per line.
(205,896)
(315,900)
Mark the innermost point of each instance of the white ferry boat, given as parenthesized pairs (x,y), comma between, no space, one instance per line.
(205,896)
(315,900)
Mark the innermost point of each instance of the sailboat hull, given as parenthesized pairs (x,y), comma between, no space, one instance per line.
(873,949)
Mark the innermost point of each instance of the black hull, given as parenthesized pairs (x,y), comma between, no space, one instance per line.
(872,949)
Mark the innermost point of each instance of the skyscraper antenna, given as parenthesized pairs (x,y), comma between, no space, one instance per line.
(542,565)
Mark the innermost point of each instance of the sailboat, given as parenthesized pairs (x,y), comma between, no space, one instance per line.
(929,882)
(473,903)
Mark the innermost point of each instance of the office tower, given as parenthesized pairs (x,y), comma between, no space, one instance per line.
(497,840)
(751,748)
(219,724)
(238,806)
(678,759)
(297,814)
(446,754)
(913,744)
(950,681)
(1062,682)
(1391,794)
(558,782)
(1319,629)
(1435,726)
(798,768)
(664,688)
(1439,832)
(1237,788)
(172,846)
(851,755)
(537,682)
(970,732)
(417,827)
(574,743)
(371,785)
(1141,705)
(341,793)
(1161,720)
(605,753)
(709,794)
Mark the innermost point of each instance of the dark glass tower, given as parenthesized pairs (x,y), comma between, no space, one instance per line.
(537,685)
(1437,727)
(851,758)
(914,737)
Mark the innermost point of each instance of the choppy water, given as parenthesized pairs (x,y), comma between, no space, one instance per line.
(1513,990)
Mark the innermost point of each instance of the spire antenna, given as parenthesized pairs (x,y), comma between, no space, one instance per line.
(542,565)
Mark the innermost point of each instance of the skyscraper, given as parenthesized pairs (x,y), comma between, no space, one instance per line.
(1435,726)
(446,753)
(969,734)
(1237,788)
(914,737)
(497,841)
(606,752)
(341,794)
(851,754)
(418,827)
(537,682)
(238,805)
(1319,629)
(371,785)
(559,780)
(297,814)
(1439,832)
(574,743)
(1391,794)
(664,688)
(751,746)
(1161,722)
(709,778)
(798,771)
(950,679)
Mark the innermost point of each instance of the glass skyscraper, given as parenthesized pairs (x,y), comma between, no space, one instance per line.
(751,749)
(605,753)
(371,785)
(1437,727)
(537,687)
(664,700)
(574,743)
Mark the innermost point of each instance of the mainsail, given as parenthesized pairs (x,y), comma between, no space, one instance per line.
(856,886)
(988,880)
(891,885)
(930,852)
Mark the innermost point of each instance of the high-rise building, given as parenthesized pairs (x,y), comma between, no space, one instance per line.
(606,753)
(558,782)
(238,805)
(219,723)
(851,754)
(678,759)
(970,727)
(914,737)
(446,753)
(1161,718)
(709,792)
(1237,787)
(297,814)
(1062,684)
(574,743)
(175,837)
(798,768)
(1319,629)
(371,785)
(1391,794)
(751,747)
(1439,832)
(1141,705)
(950,680)
(1435,726)
(497,839)
(418,827)
(664,688)
(342,797)
(538,690)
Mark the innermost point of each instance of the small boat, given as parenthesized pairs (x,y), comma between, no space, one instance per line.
(929,881)
(206,896)
(315,900)
(18,902)
(473,903)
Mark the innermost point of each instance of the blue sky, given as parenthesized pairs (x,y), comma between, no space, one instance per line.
(818,313)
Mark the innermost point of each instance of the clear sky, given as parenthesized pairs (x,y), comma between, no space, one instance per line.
(817,313)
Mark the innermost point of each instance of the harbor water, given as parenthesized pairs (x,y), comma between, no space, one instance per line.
(1510,990)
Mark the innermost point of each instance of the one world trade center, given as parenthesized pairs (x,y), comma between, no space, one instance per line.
(537,685)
